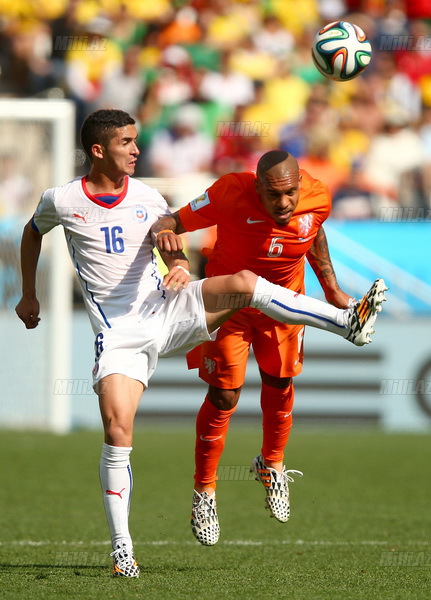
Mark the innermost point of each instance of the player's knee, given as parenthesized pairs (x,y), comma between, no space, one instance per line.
(246,281)
(118,434)
(223,399)
(279,383)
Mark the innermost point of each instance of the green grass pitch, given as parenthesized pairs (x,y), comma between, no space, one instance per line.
(360,526)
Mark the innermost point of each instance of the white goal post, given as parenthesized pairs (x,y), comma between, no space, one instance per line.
(31,400)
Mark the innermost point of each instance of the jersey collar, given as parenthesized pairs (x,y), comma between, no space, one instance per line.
(111,199)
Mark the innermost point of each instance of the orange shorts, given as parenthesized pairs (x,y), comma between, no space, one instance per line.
(278,349)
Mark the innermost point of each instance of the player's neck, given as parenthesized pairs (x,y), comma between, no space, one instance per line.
(101,183)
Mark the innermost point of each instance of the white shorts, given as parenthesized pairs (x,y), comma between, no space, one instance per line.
(132,348)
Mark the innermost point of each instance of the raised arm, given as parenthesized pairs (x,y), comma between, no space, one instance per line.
(320,261)
(28,307)
(165,233)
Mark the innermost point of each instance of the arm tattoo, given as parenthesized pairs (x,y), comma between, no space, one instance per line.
(169,222)
(320,261)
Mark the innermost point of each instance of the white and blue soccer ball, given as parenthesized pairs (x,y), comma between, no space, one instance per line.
(341,50)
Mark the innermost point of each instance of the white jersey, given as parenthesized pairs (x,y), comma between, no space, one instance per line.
(110,246)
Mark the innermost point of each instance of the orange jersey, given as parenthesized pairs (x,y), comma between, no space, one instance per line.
(248,238)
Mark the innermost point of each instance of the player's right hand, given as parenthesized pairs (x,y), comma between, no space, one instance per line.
(169,242)
(28,311)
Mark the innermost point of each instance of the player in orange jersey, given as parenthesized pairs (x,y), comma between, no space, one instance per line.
(268,222)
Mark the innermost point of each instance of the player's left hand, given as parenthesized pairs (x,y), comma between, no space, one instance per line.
(177,278)
(340,299)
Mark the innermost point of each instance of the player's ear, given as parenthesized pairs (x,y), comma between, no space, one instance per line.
(97,150)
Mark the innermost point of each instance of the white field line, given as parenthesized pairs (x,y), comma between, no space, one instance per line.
(64,543)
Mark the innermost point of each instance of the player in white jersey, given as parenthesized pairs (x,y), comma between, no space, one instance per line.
(97,229)
(136,316)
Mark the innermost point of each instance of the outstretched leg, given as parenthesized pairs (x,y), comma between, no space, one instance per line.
(224,295)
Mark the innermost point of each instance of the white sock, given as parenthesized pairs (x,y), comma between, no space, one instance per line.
(288,307)
(117,482)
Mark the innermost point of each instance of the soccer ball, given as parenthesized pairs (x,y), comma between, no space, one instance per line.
(341,51)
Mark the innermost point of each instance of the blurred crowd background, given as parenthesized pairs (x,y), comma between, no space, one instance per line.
(213,84)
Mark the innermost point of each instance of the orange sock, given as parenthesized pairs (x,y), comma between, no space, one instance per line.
(277,407)
(211,429)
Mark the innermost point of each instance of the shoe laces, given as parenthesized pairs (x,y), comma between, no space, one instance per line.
(202,506)
(122,555)
(287,477)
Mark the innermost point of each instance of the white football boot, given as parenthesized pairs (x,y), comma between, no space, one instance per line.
(364,314)
(277,487)
(204,519)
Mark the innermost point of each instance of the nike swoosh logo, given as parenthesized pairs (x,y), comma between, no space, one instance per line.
(251,221)
(210,439)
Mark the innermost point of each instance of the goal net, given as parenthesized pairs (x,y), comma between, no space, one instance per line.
(36,152)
